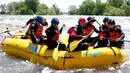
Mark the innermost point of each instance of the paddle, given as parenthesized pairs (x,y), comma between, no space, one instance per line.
(7,31)
(74,44)
(98,22)
(55,52)
(115,39)
(36,48)
(4,32)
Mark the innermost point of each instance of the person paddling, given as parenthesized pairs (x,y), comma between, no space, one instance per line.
(115,32)
(35,30)
(103,33)
(31,21)
(77,33)
(53,35)
(90,27)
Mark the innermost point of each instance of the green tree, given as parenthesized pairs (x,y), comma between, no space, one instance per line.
(72,10)
(51,11)
(126,9)
(115,3)
(3,8)
(18,8)
(12,7)
(23,9)
(42,9)
(87,7)
(99,8)
(113,11)
(32,4)
(57,10)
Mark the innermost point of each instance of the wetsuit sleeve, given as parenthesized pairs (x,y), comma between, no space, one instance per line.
(101,28)
(29,21)
(122,33)
(33,37)
(97,31)
(32,32)
(61,30)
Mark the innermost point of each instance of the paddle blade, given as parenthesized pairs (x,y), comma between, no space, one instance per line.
(55,54)
(32,47)
(32,60)
(74,44)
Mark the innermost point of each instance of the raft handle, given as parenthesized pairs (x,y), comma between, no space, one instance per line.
(115,62)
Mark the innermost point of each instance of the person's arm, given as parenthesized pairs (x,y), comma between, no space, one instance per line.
(33,36)
(33,32)
(122,34)
(101,28)
(97,31)
(61,30)
(29,21)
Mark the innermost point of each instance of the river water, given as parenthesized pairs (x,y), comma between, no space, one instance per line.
(14,65)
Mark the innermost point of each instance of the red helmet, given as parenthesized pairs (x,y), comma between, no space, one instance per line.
(82,19)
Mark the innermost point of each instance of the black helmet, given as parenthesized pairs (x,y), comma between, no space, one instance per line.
(111,21)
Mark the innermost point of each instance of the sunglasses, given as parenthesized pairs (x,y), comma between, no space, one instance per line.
(111,24)
(56,23)
(93,20)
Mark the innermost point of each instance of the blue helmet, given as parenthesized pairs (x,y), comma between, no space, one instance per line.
(89,18)
(105,19)
(39,19)
(55,21)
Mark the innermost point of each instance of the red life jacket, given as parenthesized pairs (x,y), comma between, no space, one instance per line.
(72,31)
(102,34)
(87,30)
(38,31)
(114,34)
(56,36)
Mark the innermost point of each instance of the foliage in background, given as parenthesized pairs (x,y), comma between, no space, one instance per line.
(88,7)
(29,7)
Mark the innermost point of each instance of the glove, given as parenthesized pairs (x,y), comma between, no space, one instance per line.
(118,39)
(24,26)
(37,39)
(101,37)
(64,25)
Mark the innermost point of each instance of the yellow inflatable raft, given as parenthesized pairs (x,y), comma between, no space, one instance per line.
(93,57)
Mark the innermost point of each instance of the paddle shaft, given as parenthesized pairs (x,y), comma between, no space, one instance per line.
(98,22)
(4,32)
(115,39)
